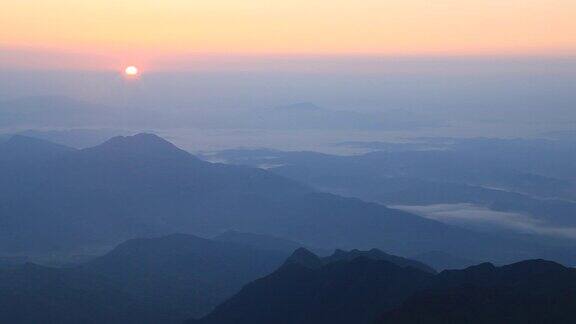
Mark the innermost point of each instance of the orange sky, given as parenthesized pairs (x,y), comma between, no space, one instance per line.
(137,30)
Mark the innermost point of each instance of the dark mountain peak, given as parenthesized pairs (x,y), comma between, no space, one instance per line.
(310,260)
(533,267)
(480,270)
(376,254)
(141,144)
(487,274)
(482,267)
(304,257)
(353,291)
(338,253)
(533,291)
(141,139)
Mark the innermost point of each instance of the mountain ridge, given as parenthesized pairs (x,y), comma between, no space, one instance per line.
(142,186)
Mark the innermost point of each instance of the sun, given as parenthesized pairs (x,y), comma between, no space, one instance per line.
(131,71)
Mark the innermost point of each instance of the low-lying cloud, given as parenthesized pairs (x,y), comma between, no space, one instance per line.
(481,218)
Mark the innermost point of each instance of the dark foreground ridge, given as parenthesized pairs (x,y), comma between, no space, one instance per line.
(178,277)
(308,289)
(534,291)
(374,291)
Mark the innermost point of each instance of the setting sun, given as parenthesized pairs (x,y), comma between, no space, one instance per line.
(131,71)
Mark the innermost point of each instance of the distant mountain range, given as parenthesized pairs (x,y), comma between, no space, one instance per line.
(61,111)
(78,138)
(532,177)
(66,199)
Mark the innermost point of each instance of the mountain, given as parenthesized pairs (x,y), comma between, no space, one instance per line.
(495,174)
(77,138)
(375,254)
(337,292)
(306,290)
(532,167)
(533,291)
(183,275)
(306,258)
(144,186)
(126,187)
(20,157)
(35,294)
(20,149)
(161,280)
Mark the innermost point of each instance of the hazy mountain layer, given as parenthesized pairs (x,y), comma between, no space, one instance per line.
(143,185)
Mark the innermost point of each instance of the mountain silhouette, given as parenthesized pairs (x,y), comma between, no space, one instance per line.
(305,291)
(534,291)
(143,145)
(308,259)
(376,254)
(19,148)
(305,258)
(183,275)
(310,289)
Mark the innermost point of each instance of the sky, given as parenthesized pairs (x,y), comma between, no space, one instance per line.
(486,60)
(105,34)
